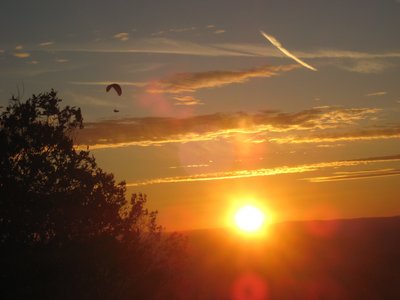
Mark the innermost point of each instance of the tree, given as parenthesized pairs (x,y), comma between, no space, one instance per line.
(65,224)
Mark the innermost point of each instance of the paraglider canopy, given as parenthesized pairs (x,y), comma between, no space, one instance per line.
(116,87)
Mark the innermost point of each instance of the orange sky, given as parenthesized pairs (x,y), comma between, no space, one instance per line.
(303,119)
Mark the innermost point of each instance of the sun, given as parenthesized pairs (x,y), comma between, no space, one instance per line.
(249,218)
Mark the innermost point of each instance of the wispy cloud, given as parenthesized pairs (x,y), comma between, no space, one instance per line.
(190,82)
(61,60)
(365,66)
(46,44)
(226,175)
(187,100)
(376,94)
(122,36)
(184,29)
(386,158)
(356,175)
(262,172)
(214,29)
(338,53)
(159,131)
(330,145)
(21,54)
(349,136)
(190,166)
(157,45)
(158,33)
(278,45)
(219,31)
(360,61)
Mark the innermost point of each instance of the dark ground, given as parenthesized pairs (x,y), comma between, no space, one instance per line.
(342,259)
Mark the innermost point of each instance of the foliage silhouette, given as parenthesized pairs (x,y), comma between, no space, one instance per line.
(66,228)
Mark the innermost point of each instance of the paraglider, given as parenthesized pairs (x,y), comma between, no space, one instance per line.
(116,87)
(116,110)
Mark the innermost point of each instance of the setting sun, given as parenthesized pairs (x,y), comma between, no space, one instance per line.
(249,218)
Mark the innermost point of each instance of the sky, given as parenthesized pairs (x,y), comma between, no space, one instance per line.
(291,105)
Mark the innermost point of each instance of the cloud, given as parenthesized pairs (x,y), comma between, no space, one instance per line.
(386,158)
(278,45)
(358,59)
(190,166)
(262,172)
(122,36)
(190,82)
(158,33)
(21,54)
(330,145)
(338,53)
(376,94)
(352,136)
(260,126)
(45,44)
(182,29)
(357,175)
(219,31)
(365,66)
(162,45)
(61,60)
(187,100)
(215,30)
(225,175)
(156,45)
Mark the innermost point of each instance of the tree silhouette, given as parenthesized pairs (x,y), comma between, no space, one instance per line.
(66,227)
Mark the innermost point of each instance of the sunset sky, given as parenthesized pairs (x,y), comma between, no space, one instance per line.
(213,113)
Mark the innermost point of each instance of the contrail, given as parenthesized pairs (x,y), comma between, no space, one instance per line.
(278,45)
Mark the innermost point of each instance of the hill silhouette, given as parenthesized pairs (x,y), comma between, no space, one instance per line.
(339,259)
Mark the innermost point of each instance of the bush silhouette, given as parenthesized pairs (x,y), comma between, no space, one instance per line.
(66,228)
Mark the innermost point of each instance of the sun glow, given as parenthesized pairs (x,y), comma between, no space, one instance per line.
(249,218)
